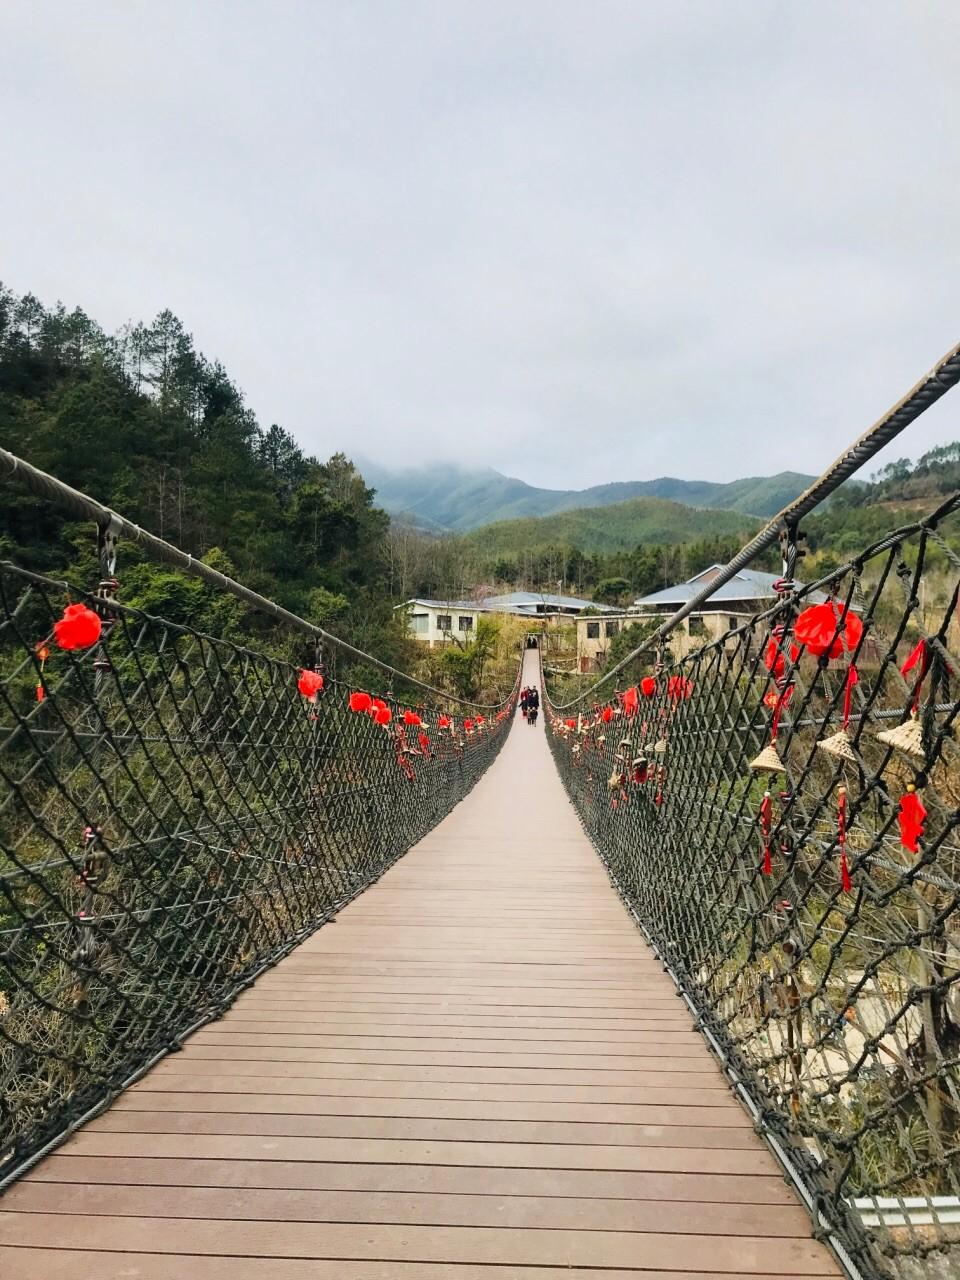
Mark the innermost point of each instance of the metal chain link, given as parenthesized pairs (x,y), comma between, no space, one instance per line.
(174,817)
(749,813)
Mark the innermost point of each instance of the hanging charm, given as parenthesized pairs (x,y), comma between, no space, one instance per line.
(768,761)
(661,780)
(911,818)
(766,825)
(43,653)
(845,881)
(838,744)
(908,737)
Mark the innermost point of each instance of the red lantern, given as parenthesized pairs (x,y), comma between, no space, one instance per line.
(571,723)
(382,715)
(360,702)
(443,722)
(424,743)
(310,684)
(678,688)
(411,717)
(911,819)
(631,700)
(606,715)
(468,725)
(828,630)
(648,686)
(481,720)
(79,627)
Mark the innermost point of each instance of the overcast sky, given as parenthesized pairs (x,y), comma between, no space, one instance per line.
(577,241)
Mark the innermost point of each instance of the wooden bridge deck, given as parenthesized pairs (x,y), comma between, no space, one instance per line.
(479,1070)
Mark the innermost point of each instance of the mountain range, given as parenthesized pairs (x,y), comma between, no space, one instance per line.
(447,498)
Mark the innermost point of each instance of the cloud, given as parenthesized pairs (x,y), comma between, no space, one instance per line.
(573,242)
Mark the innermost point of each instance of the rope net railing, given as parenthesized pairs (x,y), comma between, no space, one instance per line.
(779,809)
(177,812)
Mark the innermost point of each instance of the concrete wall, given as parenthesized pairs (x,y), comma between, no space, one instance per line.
(696,631)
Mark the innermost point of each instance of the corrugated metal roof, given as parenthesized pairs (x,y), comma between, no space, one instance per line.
(535,598)
(526,603)
(443,604)
(748,584)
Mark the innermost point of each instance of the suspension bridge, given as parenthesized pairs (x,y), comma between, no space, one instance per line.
(299,978)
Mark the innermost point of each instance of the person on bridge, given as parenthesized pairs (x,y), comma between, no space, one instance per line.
(533,705)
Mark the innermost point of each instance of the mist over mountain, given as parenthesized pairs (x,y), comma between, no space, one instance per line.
(444,496)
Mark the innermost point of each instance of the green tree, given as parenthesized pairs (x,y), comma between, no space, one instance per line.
(612,590)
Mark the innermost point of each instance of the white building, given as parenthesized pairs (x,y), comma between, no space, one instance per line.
(439,621)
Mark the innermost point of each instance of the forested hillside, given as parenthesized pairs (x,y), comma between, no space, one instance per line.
(145,423)
(605,529)
(897,494)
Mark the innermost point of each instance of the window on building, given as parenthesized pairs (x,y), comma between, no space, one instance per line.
(418,623)
(444,622)
(732,624)
(613,628)
(466,623)
(593,630)
(697,626)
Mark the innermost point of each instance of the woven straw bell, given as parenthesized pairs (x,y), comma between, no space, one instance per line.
(906,737)
(660,747)
(768,761)
(838,744)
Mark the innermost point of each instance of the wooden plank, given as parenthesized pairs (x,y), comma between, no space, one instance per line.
(725,1114)
(599,1064)
(628,1185)
(740,1256)
(293,1067)
(64,1264)
(653,1090)
(538,1213)
(96,1141)
(679,1045)
(491,1022)
(430,1129)
(478,1070)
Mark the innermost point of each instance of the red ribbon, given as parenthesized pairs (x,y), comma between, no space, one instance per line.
(766,824)
(920,657)
(845,881)
(852,679)
(781,704)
